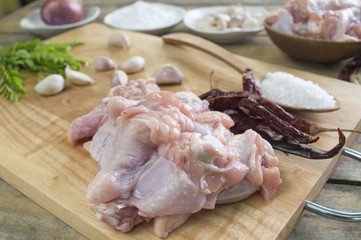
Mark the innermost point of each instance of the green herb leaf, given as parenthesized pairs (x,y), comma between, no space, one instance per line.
(35,57)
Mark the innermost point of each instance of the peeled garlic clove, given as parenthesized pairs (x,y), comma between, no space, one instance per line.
(168,74)
(119,40)
(50,85)
(78,78)
(132,65)
(103,64)
(222,21)
(119,77)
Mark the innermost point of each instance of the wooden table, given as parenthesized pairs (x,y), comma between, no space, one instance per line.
(21,218)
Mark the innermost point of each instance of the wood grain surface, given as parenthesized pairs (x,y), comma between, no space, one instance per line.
(37,160)
(22,218)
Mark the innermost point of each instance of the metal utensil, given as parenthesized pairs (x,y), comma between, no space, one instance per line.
(332,213)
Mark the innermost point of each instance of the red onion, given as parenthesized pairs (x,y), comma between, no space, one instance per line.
(58,12)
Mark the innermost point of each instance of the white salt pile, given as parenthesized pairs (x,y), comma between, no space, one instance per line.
(286,89)
(143,16)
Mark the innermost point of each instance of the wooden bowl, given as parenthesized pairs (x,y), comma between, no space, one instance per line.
(313,49)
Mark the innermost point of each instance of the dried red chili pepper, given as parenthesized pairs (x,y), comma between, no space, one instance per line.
(350,67)
(283,130)
(256,110)
(277,110)
(307,151)
(243,122)
(249,84)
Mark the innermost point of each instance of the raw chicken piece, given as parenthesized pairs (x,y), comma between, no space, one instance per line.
(238,192)
(258,155)
(355,31)
(135,89)
(165,224)
(335,20)
(281,21)
(138,128)
(87,125)
(312,6)
(336,24)
(167,156)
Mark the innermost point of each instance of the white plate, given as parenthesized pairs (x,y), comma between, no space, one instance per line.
(35,24)
(229,35)
(164,22)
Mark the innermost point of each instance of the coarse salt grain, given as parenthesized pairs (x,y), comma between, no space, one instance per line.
(286,89)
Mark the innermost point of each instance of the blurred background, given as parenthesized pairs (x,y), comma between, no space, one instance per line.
(7,6)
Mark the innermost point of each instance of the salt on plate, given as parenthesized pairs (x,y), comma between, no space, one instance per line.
(287,89)
(149,17)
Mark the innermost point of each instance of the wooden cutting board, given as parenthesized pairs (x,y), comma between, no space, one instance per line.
(37,159)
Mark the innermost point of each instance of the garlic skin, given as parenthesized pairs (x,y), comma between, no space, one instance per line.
(132,65)
(119,77)
(121,40)
(103,64)
(50,85)
(168,74)
(78,78)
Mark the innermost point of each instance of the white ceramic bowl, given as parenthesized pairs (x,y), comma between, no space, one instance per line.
(174,16)
(36,25)
(230,35)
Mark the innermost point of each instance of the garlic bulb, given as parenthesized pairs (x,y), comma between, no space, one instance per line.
(119,40)
(50,85)
(119,77)
(132,65)
(168,74)
(78,78)
(103,64)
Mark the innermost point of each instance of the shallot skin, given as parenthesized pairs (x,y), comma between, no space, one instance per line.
(59,12)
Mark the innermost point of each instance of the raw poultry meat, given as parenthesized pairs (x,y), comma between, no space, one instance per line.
(338,20)
(164,156)
(87,125)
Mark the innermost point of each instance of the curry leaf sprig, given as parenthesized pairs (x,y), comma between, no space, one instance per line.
(35,57)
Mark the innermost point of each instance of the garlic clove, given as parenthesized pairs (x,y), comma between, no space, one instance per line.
(119,77)
(222,21)
(119,40)
(132,65)
(103,64)
(78,78)
(168,74)
(50,85)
